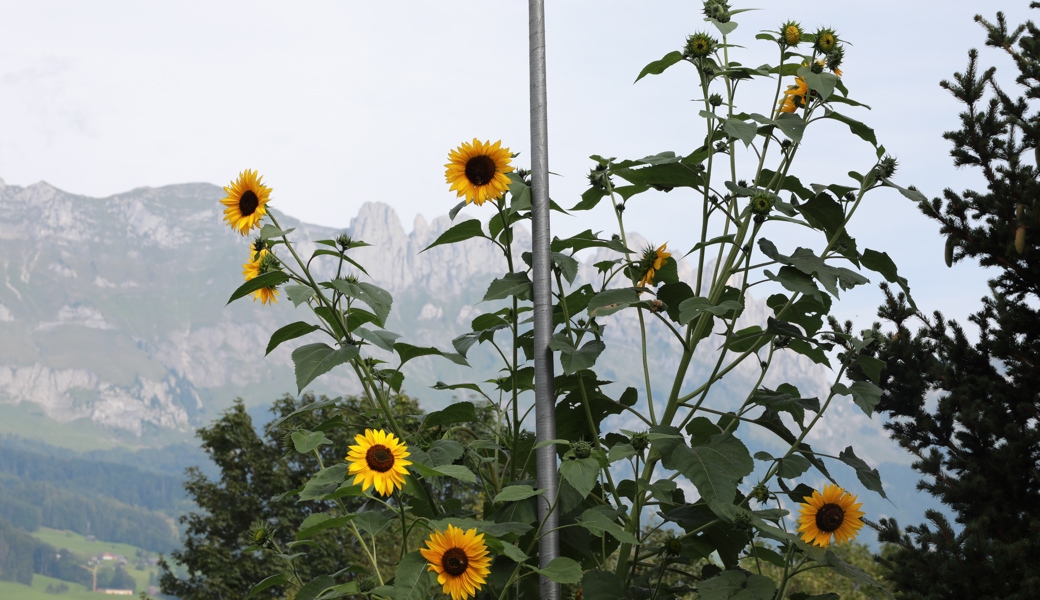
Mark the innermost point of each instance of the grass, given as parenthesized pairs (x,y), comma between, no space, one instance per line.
(80,546)
(38,591)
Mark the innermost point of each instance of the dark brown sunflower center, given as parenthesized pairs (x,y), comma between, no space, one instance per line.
(455,561)
(480,170)
(379,458)
(829,518)
(247,203)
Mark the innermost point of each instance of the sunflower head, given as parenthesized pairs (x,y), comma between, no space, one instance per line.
(246,202)
(791,33)
(260,533)
(344,242)
(794,96)
(886,167)
(717,9)
(378,460)
(832,514)
(460,560)
(834,59)
(641,441)
(478,171)
(826,40)
(261,261)
(699,45)
(651,262)
(257,247)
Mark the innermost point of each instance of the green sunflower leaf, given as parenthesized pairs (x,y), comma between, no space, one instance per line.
(412,580)
(408,352)
(581,474)
(320,522)
(456,233)
(314,360)
(460,412)
(598,523)
(870,478)
(512,284)
(305,441)
(576,359)
(610,301)
(603,584)
(516,492)
(299,293)
(289,332)
(658,66)
(736,585)
(378,299)
(562,570)
(864,132)
(273,580)
(714,467)
(267,280)
(865,394)
(881,263)
(741,130)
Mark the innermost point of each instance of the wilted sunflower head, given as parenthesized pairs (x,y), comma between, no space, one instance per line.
(246,202)
(478,170)
(826,40)
(699,45)
(832,514)
(791,33)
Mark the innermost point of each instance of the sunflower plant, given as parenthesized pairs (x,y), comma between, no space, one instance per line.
(661,455)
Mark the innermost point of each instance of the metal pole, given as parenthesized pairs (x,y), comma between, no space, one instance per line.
(544,396)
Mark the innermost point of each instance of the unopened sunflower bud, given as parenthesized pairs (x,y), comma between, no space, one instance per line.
(717,9)
(791,33)
(886,167)
(761,204)
(260,533)
(835,57)
(641,441)
(599,178)
(344,242)
(816,67)
(826,40)
(715,100)
(673,546)
(581,448)
(699,45)
(760,493)
(1020,239)
(258,246)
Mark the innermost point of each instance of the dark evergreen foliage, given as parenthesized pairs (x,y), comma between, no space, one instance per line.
(969,410)
(256,472)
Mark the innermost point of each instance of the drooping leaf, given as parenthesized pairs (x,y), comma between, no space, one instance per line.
(267,280)
(870,478)
(457,233)
(658,66)
(865,394)
(289,332)
(598,523)
(714,467)
(881,263)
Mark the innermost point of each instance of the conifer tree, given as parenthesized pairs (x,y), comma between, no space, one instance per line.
(968,410)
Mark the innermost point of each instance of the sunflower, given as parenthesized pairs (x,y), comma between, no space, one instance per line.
(651,262)
(478,171)
(794,96)
(246,202)
(460,560)
(255,267)
(378,460)
(833,513)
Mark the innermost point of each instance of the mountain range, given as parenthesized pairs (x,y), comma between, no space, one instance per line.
(115,326)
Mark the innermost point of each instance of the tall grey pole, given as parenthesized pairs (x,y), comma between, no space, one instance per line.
(544,396)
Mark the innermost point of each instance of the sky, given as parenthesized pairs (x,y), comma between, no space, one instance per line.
(341,103)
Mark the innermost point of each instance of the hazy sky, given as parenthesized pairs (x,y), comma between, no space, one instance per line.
(339,103)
